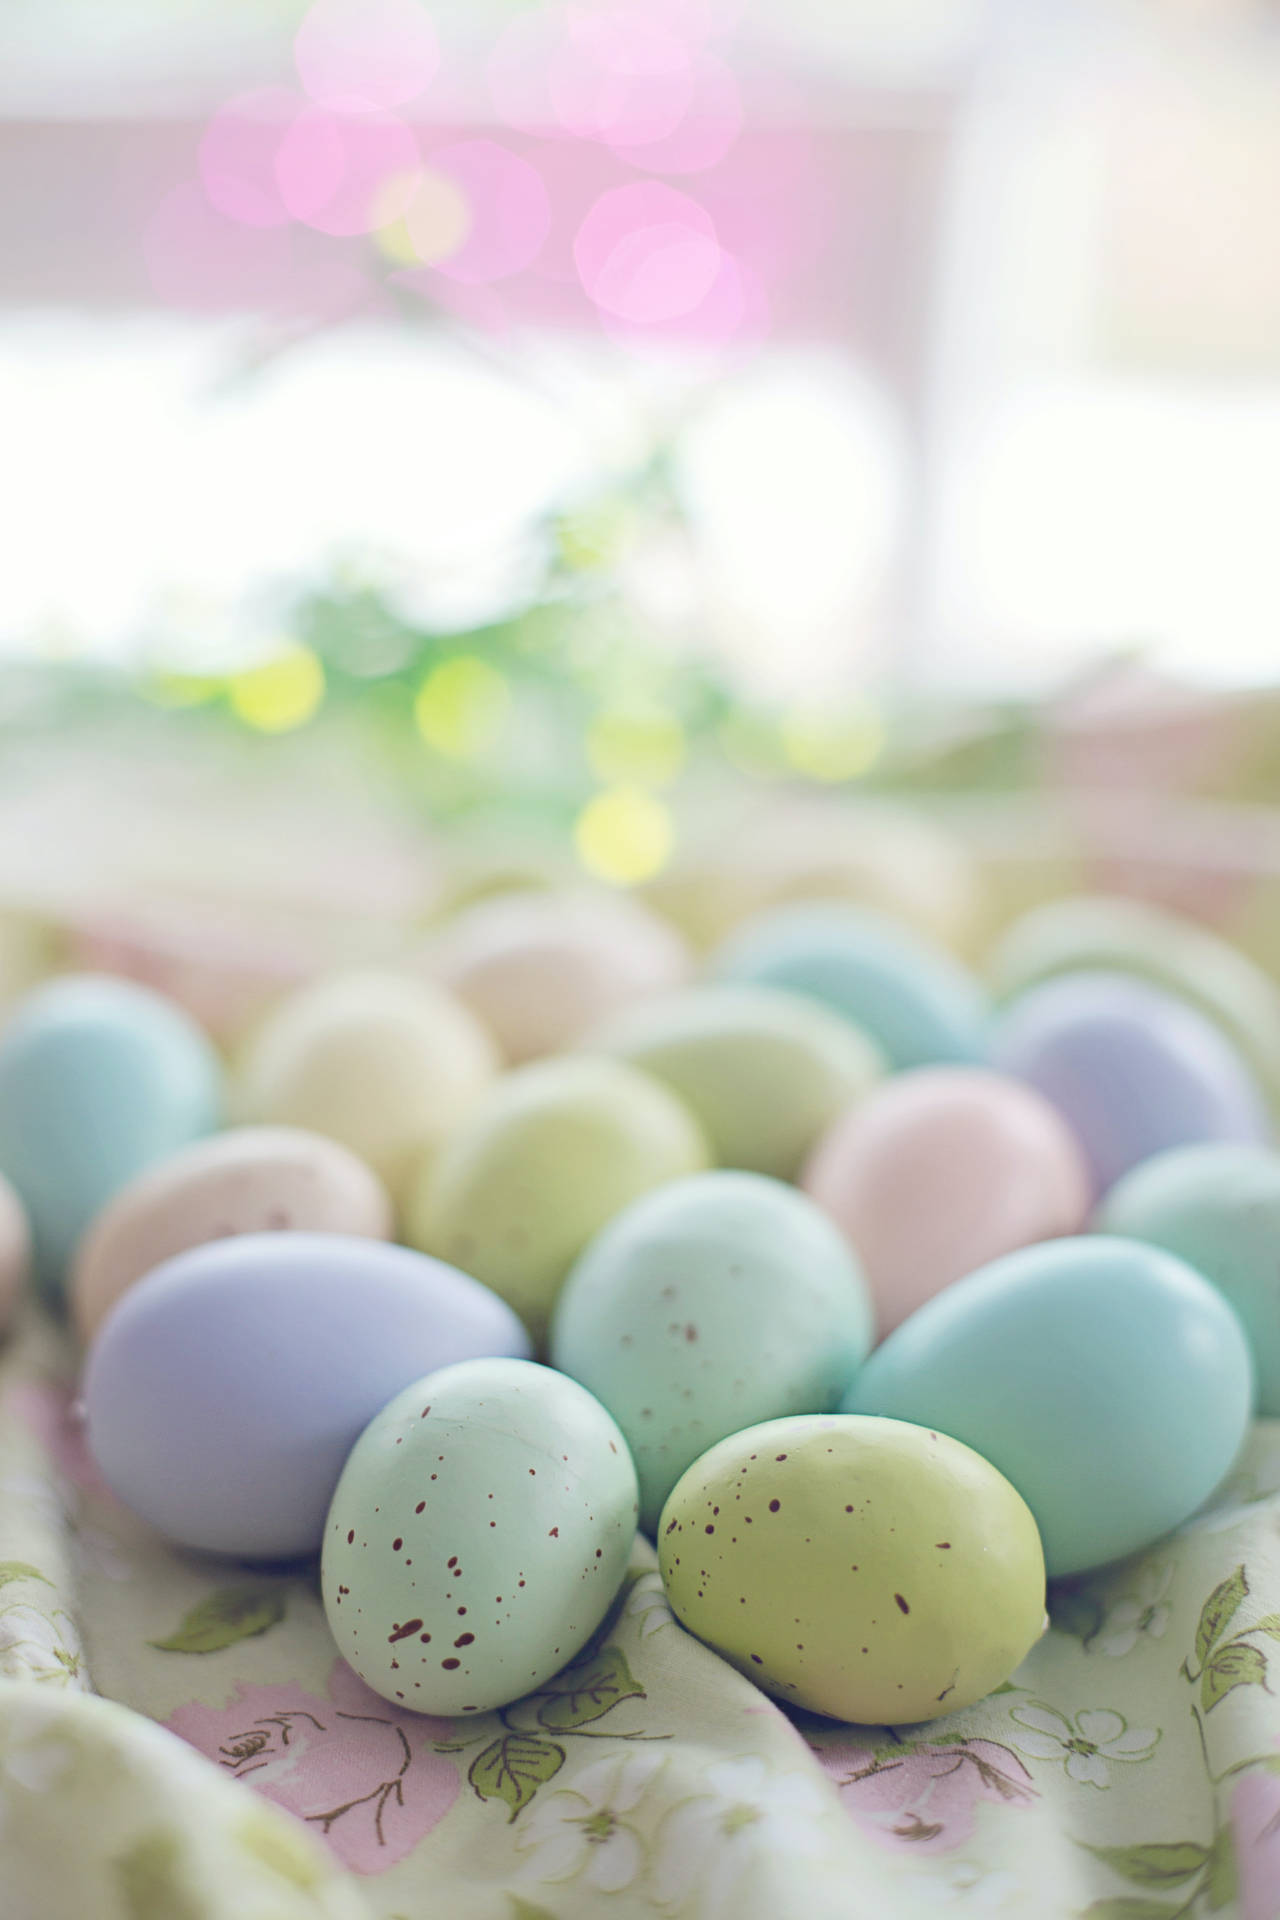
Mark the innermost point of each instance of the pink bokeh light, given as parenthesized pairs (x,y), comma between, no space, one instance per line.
(384,52)
(237,160)
(647,254)
(621,76)
(509,211)
(347,170)
(706,131)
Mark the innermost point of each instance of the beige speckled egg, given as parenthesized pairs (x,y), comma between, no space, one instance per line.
(381,1062)
(15,1251)
(540,968)
(939,1171)
(248,1180)
(556,1150)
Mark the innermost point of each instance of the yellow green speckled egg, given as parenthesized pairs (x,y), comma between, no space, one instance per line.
(862,1568)
(553,1152)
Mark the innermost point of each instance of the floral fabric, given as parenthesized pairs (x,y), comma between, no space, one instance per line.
(180,1741)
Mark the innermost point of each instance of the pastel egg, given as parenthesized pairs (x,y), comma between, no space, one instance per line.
(1217,1208)
(477,1537)
(912,1000)
(248,1180)
(98,1079)
(763,1071)
(15,1251)
(710,1305)
(540,968)
(1106,1380)
(860,1568)
(225,1391)
(381,1062)
(555,1151)
(1132,1070)
(1100,933)
(939,1171)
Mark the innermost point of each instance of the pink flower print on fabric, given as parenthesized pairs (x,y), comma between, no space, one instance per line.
(924,1798)
(356,1769)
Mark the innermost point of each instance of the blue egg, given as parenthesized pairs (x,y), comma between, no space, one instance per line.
(918,1004)
(1131,1069)
(98,1079)
(224,1392)
(1109,1382)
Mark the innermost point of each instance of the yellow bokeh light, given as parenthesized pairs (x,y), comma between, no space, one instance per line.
(624,835)
(636,743)
(395,244)
(833,745)
(283,693)
(438,218)
(462,706)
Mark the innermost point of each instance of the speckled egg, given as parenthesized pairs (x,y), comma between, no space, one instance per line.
(763,1071)
(224,1392)
(248,1180)
(383,1063)
(477,1537)
(1132,1070)
(540,968)
(98,1079)
(1217,1208)
(1108,1381)
(714,1303)
(1092,933)
(861,1568)
(555,1151)
(939,1171)
(15,1251)
(917,1004)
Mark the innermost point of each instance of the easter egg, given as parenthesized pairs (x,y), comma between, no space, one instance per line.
(555,1151)
(940,1170)
(540,968)
(224,1392)
(1217,1208)
(1106,1380)
(248,1180)
(98,1079)
(1097,933)
(912,1000)
(383,1063)
(15,1251)
(763,1071)
(861,1568)
(710,1305)
(477,1537)
(1131,1070)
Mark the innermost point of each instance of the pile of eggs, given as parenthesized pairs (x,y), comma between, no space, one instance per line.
(872,1294)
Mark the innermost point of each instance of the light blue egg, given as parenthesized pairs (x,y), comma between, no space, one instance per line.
(709,1305)
(224,1392)
(99,1078)
(1218,1208)
(1132,1070)
(918,1004)
(1108,1381)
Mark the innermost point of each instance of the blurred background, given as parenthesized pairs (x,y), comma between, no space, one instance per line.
(526,425)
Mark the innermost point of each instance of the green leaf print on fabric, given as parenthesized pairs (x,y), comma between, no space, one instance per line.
(20,1570)
(1269,1624)
(1159,1865)
(1217,1612)
(225,1617)
(512,1769)
(522,1909)
(151,1881)
(585,1693)
(1220,1881)
(1129,1907)
(1235,1665)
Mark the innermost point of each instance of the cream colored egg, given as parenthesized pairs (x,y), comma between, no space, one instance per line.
(383,1063)
(540,968)
(15,1251)
(248,1180)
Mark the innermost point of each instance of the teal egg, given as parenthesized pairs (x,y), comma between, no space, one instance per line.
(916,1003)
(706,1306)
(99,1078)
(1107,1381)
(1218,1208)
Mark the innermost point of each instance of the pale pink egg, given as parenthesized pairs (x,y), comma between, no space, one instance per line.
(940,1170)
